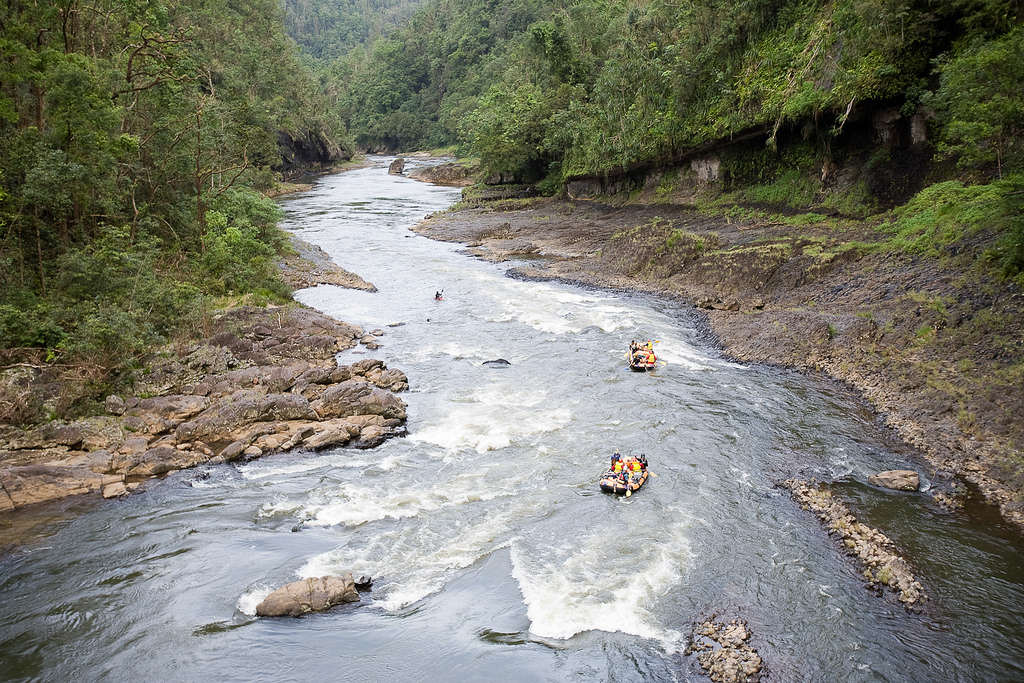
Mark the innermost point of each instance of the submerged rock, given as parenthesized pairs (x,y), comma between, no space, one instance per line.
(309,595)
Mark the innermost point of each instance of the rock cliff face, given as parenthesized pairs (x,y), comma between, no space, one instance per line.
(308,152)
(266,383)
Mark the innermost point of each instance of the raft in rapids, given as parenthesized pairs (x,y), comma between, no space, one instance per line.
(641,357)
(619,483)
(625,481)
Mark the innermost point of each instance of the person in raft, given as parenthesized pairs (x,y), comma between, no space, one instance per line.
(636,352)
(437,295)
(648,351)
(617,464)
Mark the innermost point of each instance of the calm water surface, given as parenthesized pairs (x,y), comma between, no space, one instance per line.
(494,553)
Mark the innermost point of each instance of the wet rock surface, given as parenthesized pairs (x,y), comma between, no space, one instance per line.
(451,173)
(310,266)
(265,382)
(898,480)
(724,652)
(309,595)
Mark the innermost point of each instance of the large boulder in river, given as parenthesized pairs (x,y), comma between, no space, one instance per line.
(30,484)
(309,595)
(397,166)
(451,173)
(900,480)
(358,398)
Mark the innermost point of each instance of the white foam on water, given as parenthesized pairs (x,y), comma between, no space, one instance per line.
(346,459)
(279,509)
(417,560)
(559,311)
(352,505)
(682,354)
(602,583)
(491,418)
(249,600)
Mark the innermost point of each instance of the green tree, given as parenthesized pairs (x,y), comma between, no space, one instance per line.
(980,104)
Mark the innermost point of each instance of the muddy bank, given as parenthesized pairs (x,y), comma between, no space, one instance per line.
(936,349)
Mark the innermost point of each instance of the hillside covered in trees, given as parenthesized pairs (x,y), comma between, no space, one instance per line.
(136,139)
(847,107)
(563,89)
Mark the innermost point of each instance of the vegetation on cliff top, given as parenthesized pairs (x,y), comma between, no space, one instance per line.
(549,91)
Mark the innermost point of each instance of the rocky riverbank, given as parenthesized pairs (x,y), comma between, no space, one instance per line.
(265,382)
(936,349)
(881,566)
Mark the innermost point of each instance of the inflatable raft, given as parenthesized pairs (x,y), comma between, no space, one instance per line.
(641,357)
(612,482)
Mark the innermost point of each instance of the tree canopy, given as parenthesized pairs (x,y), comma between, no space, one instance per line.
(136,137)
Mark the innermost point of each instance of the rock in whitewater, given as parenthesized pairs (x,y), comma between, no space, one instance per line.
(309,595)
(397,166)
(723,651)
(901,480)
(497,363)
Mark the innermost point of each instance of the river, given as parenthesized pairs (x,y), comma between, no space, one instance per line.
(494,554)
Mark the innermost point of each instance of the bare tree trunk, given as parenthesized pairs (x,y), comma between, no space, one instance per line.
(200,212)
(39,250)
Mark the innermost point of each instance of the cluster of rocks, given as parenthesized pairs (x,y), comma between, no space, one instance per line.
(449,173)
(315,594)
(729,304)
(268,382)
(882,567)
(724,652)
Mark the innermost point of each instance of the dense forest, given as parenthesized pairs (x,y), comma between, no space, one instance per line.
(136,141)
(547,92)
(139,139)
(325,29)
